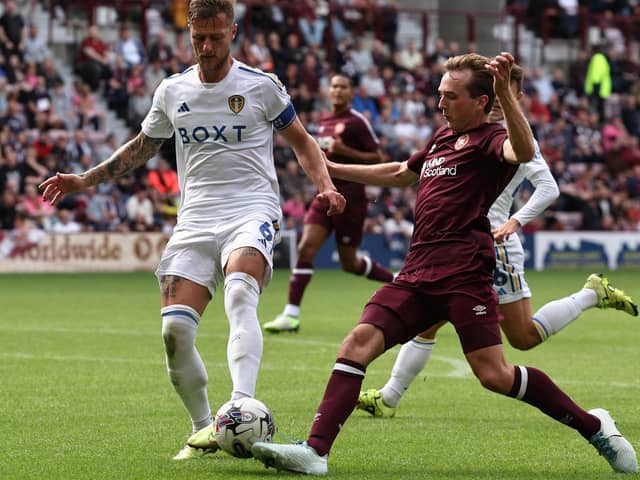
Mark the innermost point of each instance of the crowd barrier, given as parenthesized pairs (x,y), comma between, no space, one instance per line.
(121,252)
(583,250)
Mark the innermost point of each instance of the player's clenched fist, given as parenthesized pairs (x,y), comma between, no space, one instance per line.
(334,201)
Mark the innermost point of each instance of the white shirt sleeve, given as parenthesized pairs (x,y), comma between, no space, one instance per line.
(277,103)
(545,190)
(157,124)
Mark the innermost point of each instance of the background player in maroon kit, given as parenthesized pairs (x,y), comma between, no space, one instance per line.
(448,271)
(345,136)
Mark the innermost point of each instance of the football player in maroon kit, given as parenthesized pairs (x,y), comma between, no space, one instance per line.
(448,271)
(346,136)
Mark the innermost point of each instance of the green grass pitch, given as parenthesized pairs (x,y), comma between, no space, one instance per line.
(84,393)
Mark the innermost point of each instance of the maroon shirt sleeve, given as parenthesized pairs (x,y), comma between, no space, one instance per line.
(363,132)
(416,160)
(495,142)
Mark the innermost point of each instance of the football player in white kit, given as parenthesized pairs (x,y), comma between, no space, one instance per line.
(222,113)
(522,329)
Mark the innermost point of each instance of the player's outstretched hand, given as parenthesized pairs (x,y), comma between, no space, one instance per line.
(504,231)
(56,187)
(334,201)
(500,68)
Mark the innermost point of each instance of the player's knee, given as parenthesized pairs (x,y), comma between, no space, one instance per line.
(235,295)
(174,334)
(305,254)
(241,292)
(494,379)
(523,341)
(363,344)
(351,265)
(179,325)
(521,344)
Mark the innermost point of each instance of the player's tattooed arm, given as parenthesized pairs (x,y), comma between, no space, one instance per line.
(125,159)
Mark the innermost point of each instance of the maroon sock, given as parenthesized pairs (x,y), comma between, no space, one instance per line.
(300,278)
(374,271)
(538,389)
(340,398)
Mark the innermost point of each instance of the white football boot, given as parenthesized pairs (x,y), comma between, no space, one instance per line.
(299,457)
(612,445)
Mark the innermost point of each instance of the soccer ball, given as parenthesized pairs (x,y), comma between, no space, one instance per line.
(241,423)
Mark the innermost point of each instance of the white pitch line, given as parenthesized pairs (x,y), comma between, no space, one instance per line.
(156,333)
(461,369)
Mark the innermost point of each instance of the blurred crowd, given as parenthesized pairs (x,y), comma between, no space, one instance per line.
(587,123)
(563,17)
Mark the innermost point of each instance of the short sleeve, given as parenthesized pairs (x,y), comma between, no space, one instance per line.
(277,103)
(496,138)
(416,160)
(365,135)
(157,124)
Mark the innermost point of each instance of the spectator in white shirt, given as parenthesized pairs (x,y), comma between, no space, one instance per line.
(35,47)
(373,83)
(64,222)
(140,211)
(360,57)
(410,56)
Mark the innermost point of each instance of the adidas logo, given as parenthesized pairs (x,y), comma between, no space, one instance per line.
(184,108)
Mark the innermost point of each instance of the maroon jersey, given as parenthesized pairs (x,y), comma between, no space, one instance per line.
(356,132)
(461,175)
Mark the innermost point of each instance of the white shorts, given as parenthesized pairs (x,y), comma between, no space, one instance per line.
(508,277)
(200,254)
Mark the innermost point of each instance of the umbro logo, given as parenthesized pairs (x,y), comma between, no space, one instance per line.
(184,108)
(480,310)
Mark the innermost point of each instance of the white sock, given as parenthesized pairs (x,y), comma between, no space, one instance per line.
(184,365)
(244,349)
(412,359)
(291,310)
(554,316)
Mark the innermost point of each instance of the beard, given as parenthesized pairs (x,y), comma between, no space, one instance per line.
(215,67)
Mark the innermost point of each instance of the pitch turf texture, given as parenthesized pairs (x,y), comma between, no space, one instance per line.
(85,395)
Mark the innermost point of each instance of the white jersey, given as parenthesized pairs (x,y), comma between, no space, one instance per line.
(224,141)
(508,277)
(546,191)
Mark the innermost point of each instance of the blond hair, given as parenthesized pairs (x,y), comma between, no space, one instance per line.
(211,9)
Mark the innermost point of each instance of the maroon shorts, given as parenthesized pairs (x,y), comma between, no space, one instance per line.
(403,310)
(347,226)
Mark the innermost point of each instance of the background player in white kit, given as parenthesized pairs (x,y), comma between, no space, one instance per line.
(222,114)
(522,329)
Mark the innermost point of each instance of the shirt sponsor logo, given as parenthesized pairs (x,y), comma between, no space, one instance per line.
(216,133)
(435,162)
(434,168)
